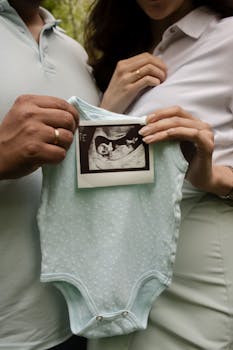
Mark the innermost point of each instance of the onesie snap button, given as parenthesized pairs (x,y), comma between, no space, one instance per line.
(99,318)
(125,313)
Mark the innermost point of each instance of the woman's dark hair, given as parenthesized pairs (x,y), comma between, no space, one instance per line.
(119,29)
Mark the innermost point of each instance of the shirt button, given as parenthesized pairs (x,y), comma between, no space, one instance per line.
(161,48)
(172,30)
(124,313)
(99,318)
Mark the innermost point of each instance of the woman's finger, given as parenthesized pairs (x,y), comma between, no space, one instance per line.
(137,62)
(147,70)
(172,122)
(168,113)
(203,139)
(143,83)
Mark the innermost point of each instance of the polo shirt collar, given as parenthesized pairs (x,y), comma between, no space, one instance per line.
(48,18)
(4,5)
(195,23)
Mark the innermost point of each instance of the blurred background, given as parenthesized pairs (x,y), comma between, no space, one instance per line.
(72,13)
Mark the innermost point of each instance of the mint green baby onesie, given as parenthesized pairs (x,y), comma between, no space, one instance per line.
(110,250)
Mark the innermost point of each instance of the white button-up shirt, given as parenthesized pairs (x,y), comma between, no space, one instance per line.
(198,51)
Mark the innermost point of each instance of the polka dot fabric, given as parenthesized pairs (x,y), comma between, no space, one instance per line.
(110,250)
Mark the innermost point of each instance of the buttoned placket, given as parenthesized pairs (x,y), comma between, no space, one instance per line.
(169,35)
(41,48)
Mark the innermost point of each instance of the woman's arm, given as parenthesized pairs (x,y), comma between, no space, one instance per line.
(176,124)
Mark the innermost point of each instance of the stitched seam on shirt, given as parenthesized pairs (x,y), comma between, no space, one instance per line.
(226,290)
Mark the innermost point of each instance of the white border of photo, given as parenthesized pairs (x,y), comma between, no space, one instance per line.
(113,178)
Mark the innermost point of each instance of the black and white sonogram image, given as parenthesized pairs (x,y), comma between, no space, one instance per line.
(112,148)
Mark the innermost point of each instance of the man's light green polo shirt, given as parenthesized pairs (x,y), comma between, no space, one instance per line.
(32,315)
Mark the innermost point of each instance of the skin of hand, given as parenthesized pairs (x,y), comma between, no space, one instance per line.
(130,77)
(27,134)
(174,123)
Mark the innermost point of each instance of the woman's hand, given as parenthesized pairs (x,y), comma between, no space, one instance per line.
(131,76)
(176,124)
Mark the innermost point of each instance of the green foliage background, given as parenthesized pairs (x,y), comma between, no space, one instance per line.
(72,13)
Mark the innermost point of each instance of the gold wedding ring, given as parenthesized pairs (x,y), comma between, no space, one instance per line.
(56,136)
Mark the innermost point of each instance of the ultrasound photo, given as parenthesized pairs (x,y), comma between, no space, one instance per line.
(112,149)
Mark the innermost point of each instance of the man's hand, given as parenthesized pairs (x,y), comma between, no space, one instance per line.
(37,130)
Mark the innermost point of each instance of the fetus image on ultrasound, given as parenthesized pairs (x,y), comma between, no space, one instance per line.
(112,148)
(116,149)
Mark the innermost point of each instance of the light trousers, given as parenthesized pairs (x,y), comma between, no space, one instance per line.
(196,311)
